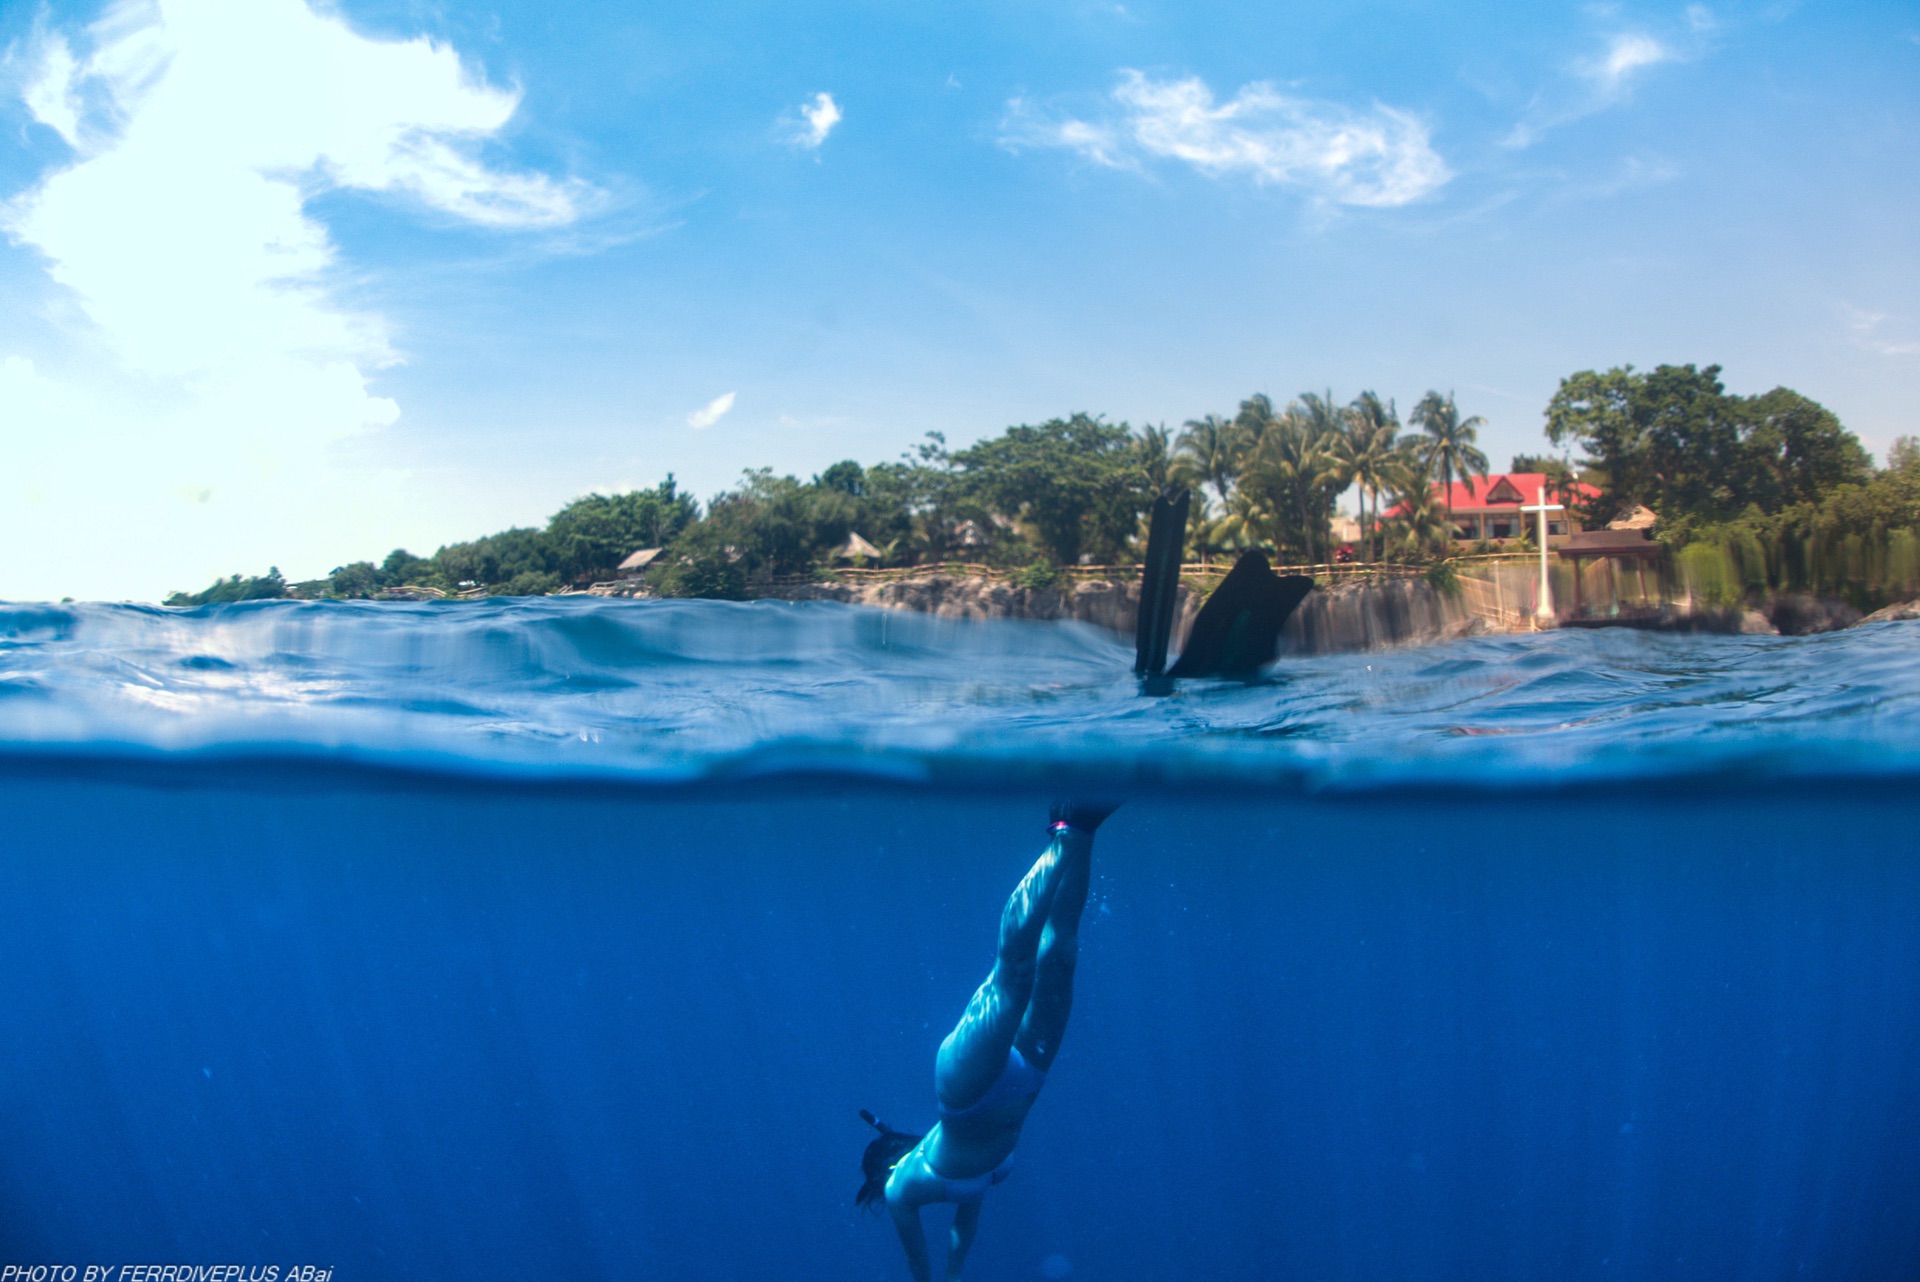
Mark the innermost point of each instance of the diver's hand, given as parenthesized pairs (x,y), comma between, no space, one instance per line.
(1087,816)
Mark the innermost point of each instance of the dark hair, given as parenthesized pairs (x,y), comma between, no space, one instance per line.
(881,1157)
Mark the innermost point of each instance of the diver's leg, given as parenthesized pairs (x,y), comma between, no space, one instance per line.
(1045,1019)
(913,1237)
(966,1222)
(976,1050)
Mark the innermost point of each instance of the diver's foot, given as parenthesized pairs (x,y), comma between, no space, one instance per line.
(1087,816)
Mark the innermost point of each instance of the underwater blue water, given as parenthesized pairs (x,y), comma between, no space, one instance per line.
(565,939)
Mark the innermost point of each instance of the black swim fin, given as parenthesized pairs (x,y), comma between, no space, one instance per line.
(1160,583)
(1238,629)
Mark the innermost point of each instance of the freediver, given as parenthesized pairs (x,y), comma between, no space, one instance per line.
(992,1065)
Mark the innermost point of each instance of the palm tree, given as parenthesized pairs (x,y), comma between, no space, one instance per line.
(1418,524)
(1325,473)
(1209,450)
(1242,524)
(1367,452)
(1251,424)
(1295,474)
(1154,457)
(1450,447)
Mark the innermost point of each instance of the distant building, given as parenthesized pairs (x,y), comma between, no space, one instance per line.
(1641,518)
(635,566)
(857,548)
(1489,507)
(969,534)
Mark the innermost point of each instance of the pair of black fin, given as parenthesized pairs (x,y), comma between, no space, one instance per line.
(1237,630)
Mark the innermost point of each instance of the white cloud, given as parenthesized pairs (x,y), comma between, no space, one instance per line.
(710,413)
(1606,77)
(201,129)
(1870,330)
(49,95)
(816,120)
(1380,157)
(1624,55)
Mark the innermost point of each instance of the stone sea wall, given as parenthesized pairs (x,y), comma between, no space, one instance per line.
(1357,615)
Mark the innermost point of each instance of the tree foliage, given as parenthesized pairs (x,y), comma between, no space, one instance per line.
(1783,492)
(1451,447)
(589,537)
(1075,482)
(1674,440)
(234,588)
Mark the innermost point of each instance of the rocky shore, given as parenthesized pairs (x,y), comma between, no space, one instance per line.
(1359,615)
(1363,613)
(1903,612)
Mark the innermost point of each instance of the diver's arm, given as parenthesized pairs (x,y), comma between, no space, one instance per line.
(906,1221)
(966,1222)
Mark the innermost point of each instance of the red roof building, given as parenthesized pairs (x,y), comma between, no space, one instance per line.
(1489,507)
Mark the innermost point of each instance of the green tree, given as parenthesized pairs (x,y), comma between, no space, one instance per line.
(1250,424)
(1076,481)
(1674,440)
(1293,471)
(492,562)
(1418,526)
(588,538)
(1665,439)
(1367,453)
(1452,444)
(1210,449)
(402,568)
(1904,457)
(1153,455)
(266,587)
(1242,524)
(355,580)
(1799,451)
(846,477)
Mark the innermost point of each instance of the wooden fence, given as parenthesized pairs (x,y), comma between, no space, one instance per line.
(1196,573)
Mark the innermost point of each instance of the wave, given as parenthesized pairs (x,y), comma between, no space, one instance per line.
(689,691)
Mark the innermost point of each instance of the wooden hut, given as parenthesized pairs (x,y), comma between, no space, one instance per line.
(1613,548)
(636,565)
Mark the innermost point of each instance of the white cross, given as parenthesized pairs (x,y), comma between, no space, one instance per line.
(1543,609)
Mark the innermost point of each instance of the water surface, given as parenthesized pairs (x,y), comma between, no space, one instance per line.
(566,938)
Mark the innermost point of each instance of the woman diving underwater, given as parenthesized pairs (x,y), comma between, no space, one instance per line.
(993,1064)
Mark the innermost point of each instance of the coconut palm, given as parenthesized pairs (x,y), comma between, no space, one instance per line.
(1450,445)
(1417,524)
(1295,473)
(1153,455)
(1367,451)
(1326,473)
(1252,423)
(1243,523)
(1208,449)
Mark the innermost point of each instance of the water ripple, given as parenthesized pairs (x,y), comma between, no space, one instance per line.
(677,690)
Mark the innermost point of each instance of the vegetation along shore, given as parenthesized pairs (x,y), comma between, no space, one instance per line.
(1757,502)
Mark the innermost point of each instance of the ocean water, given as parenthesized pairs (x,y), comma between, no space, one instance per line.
(566,938)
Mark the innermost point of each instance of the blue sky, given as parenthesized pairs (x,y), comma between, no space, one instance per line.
(295,285)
